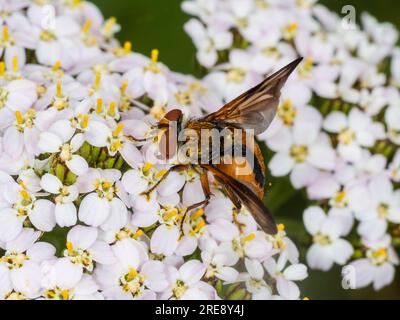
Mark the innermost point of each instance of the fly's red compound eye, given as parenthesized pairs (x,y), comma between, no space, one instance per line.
(173,115)
(168,143)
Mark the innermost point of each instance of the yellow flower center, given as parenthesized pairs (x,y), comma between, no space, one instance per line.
(383,210)
(14,260)
(132,282)
(236,75)
(179,289)
(322,239)
(299,153)
(346,136)
(79,256)
(287,112)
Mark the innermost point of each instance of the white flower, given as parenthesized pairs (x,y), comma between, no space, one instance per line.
(301,151)
(20,266)
(60,139)
(378,266)
(353,132)
(21,204)
(254,280)
(102,206)
(62,280)
(64,196)
(219,261)
(285,277)
(383,206)
(208,41)
(84,249)
(133,276)
(328,247)
(234,77)
(185,283)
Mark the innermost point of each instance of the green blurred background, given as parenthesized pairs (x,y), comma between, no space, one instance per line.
(158,24)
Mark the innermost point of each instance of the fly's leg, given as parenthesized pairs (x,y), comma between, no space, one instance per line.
(237,207)
(207,193)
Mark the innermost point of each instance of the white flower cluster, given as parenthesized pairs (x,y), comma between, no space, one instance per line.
(77,151)
(337,132)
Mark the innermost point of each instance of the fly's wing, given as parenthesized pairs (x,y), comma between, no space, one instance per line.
(256,108)
(248,198)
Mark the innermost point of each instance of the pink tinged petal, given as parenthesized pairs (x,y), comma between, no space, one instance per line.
(82,237)
(49,142)
(27,279)
(41,251)
(118,216)
(372,229)
(342,251)
(219,208)
(383,276)
(102,253)
(305,133)
(207,58)
(303,175)
(143,219)
(254,268)
(172,184)
(133,182)
(97,134)
(31,140)
(381,188)
(314,218)
(7,117)
(228,274)
(351,152)
(13,142)
(223,230)
(192,271)
(187,245)
(86,182)
(63,129)
(281,164)
(324,187)
(322,157)
(94,210)
(169,201)
(154,272)
(66,214)
(131,155)
(42,215)
(86,287)
(319,257)
(262,294)
(25,240)
(335,122)
(192,193)
(22,95)
(67,274)
(77,141)
(142,203)
(358,201)
(127,253)
(296,272)
(365,138)
(364,272)
(281,141)
(77,165)
(287,289)
(165,240)
(51,183)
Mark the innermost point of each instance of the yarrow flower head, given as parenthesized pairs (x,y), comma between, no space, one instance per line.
(336,133)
